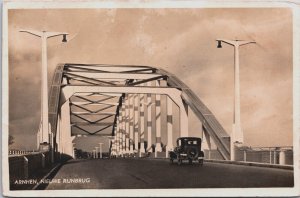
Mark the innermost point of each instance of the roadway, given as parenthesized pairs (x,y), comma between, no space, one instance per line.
(159,173)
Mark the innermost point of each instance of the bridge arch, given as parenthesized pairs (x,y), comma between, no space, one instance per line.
(119,92)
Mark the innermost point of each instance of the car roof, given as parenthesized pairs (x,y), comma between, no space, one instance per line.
(190,138)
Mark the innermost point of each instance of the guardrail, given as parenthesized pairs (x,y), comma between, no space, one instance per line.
(20,152)
(267,155)
(23,166)
(270,155)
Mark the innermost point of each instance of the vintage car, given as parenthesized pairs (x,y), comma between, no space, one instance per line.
(187,149)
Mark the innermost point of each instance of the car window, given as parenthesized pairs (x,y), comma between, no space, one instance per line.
(192,142)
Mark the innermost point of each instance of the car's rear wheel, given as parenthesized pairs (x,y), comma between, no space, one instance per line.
(179,162)
(201,162)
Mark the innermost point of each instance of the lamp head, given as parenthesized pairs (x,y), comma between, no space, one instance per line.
(219,44)
(64,38)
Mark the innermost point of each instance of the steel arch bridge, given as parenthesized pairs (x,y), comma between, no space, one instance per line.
(124,101)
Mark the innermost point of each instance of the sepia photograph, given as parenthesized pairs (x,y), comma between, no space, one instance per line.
(150,99)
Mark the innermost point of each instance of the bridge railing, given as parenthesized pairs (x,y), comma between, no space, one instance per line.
(270,155)
(267,155)
(20,152)
(23,166)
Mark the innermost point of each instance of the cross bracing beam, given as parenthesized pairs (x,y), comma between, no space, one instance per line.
(80,80)
(93,122)
(70,75)
(87,69)
(120,86)
(116,81)
(96,69)
(99,113)
(111,68)
(92,133)
(140,70)
(107,65)
(98,94)
(93,75)
(92,111)
(147,80)
(95,103)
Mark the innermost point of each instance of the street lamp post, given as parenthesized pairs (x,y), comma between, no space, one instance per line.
(44,35)
(237,134)
(94,154)
(100,149)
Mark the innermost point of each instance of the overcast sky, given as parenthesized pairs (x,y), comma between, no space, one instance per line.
(181,41)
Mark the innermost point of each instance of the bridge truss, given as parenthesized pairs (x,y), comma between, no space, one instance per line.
(124,101)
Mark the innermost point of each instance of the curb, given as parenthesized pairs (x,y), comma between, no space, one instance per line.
(47,175)
(287,167)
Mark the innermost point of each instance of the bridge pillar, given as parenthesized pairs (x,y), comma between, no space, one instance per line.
(123,133)
(117,137)
(184,121)
(275,157)
(207,141)
(121,140)
(73,151)
(52,147)
(142,125)
(66,136)
(60,129)
(127,122)
(131,123)
(158,121)
(169,126)
(114,147)
(149,121)
(136,122)
(58,134)
(282,157)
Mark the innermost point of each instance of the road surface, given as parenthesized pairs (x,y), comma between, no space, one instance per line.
(158,173)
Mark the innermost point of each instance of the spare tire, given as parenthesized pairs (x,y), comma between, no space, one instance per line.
(193,153)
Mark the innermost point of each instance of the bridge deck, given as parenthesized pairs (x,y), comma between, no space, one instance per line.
(159,173)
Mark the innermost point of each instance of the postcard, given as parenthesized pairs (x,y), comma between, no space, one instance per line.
(141,98)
